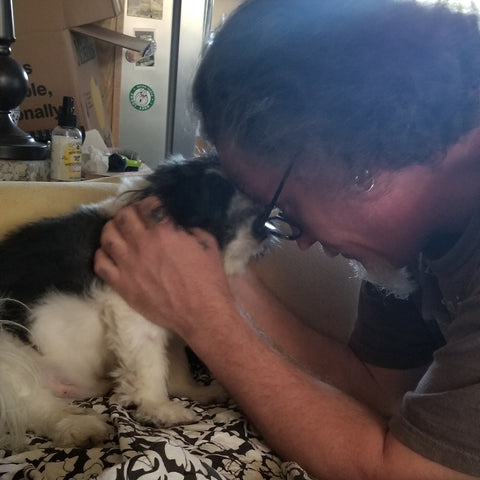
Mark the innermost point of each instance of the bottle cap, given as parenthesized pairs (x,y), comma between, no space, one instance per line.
(66,114)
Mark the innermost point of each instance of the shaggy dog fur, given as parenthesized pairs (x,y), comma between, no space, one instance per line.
(66,335)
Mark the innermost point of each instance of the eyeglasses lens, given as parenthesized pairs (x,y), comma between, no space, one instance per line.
(279,226)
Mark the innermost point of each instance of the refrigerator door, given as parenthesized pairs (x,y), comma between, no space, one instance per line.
(155,115)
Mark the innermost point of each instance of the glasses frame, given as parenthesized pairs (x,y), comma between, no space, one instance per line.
(264,222)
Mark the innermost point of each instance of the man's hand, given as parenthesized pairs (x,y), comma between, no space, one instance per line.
(167,274)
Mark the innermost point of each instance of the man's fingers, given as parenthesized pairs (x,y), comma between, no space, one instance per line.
(151,210)
(111,239)
(104,266)
(131,225)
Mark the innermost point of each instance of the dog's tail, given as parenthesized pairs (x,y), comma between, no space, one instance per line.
(19,375)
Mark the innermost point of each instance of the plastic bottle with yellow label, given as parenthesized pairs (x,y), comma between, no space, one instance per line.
(67,140)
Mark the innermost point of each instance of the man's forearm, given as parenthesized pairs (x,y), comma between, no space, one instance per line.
(329,433)
(302,418)
(325,358)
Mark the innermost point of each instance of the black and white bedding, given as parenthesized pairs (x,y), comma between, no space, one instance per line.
(221,445)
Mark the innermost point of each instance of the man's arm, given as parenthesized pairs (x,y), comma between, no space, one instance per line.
(324,357)
(331,434)
(327,431)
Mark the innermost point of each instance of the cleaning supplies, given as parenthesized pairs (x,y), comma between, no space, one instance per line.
(124,161)
(67,141)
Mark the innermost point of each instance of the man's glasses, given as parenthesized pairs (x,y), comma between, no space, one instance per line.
(273,221)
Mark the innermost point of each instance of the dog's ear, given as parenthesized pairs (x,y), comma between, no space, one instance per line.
(201,200)
(195,193)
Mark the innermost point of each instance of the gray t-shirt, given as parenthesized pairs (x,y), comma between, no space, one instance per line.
(438,326)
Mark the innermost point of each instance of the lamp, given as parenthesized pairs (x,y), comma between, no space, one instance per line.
(15,144)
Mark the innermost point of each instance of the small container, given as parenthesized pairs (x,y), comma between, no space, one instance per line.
(66,154)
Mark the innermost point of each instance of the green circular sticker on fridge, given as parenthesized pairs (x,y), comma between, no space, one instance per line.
(142,97)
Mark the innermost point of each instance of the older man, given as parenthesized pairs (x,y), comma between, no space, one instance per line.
(362,121)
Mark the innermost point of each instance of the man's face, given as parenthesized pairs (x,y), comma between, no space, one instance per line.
(381,229)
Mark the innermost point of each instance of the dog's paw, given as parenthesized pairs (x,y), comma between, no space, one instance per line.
(81,428)
(122,399)
(213,393)
(165,414)
(207,394)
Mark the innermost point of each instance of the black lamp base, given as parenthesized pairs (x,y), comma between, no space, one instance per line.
(15,144)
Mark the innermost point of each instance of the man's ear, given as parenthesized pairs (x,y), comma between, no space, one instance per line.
(364,180)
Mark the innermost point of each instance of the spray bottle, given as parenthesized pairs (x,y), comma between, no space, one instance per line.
(66,145)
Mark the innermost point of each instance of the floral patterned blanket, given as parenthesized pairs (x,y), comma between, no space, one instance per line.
(221,445)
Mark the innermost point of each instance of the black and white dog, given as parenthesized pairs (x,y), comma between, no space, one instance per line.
(66,335)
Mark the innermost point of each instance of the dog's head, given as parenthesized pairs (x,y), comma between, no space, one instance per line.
(196,193)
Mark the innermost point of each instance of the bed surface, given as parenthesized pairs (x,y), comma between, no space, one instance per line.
(221,445)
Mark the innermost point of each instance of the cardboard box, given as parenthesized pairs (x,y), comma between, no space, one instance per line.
(51,15)
(60,62)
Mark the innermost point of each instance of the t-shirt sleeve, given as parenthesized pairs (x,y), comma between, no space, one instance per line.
(391,333)
(440,419)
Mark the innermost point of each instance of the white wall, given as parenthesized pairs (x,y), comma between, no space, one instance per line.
(319,289)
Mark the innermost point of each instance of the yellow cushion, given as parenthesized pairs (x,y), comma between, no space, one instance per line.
(23,202)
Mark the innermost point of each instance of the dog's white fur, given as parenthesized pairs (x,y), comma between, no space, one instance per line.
(396,282)
(86,345)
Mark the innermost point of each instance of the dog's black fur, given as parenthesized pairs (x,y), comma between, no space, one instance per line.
(53,301)
(57,253)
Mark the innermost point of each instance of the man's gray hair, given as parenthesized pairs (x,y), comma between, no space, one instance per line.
(381,82)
